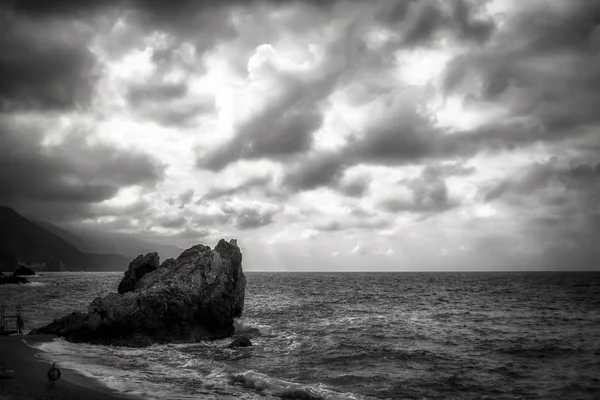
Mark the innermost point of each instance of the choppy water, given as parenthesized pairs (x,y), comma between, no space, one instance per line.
(358,336)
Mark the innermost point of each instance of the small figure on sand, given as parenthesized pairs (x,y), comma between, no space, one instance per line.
(19,325)
(53,375)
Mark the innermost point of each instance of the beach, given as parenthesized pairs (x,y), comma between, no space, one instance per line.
(30,381)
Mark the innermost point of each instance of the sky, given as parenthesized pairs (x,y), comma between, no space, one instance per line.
(391,135)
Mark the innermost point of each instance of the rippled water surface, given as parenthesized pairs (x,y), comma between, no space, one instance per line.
(358,336)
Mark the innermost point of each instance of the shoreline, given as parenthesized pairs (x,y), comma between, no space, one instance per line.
(29,379)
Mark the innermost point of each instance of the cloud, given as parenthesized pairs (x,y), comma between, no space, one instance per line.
(541,175)
(423,132)
(561,198)
(385,252)
(420,22)
(45,64)
(313,172)
(192,234)
(354,185)
(173,221)
(250,214)
(353,222)
(73,172)
(186,197)
(529,70)
(283,124)
(215,193)
(427,193)
(358,250)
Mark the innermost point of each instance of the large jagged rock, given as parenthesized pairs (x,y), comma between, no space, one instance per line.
(22,270)
(137,269)
(168,263)
(194,298)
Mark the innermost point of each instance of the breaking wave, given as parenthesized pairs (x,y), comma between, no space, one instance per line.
(288,390)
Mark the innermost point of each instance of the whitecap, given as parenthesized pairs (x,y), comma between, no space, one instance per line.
(268,385)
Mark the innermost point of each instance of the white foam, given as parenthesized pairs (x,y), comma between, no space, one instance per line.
(288,390)
(154,373)
(35,284)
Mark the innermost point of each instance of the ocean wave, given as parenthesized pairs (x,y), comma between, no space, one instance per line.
(157,372)
(288,390)
(242,326)
(36,284)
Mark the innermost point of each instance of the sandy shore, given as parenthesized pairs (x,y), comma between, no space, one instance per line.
(30,381)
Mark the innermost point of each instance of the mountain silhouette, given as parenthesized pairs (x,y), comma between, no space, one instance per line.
(29,243)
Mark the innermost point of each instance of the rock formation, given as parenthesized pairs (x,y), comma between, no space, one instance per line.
(168,263)
(22,270)
(138,268)
(194,297)
(240,342)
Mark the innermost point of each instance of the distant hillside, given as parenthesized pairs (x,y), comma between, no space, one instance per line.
(89,241)
(69,237)
(109,262)
(118,243)
(30,243)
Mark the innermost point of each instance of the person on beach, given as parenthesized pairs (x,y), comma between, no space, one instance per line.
(53,375)
(19,325)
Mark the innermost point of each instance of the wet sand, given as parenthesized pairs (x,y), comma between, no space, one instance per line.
(29,379)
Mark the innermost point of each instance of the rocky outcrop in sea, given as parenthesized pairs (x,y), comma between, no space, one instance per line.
(22,271)
(195,297)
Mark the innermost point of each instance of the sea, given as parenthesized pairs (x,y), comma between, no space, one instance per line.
(509,335)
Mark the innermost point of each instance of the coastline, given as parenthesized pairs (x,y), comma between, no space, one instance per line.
(29,379)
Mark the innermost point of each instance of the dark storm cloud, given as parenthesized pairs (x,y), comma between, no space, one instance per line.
(469,27)
(314,171)
(59,7)
(201,22)
(276,133)
(402,136)
(544,67)
(285,127)
(45,64)
(422,21)
(579,178)
(355,186)
(73,173)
